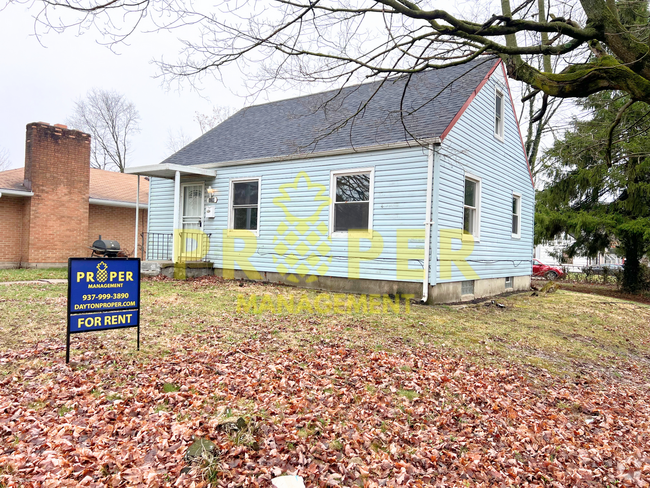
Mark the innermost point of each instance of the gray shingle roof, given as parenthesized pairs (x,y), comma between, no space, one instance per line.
(325,121)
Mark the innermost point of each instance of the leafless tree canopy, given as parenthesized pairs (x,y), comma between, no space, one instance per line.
(110,120)
(563,49)
(602,43)
(178,139)
(207,121)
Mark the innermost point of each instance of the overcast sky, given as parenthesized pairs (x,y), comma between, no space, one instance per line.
(41,83)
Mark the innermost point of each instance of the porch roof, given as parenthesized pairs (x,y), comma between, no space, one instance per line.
(168,171)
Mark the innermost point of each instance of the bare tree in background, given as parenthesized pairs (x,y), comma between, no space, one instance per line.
(110,120)
(5,162)
(211,120)
(178,139)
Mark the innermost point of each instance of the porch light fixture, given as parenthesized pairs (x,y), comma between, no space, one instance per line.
(212,195)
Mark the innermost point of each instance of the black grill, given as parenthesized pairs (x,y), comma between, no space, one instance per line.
(105,247)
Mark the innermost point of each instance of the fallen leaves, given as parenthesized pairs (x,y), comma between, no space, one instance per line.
(331,414)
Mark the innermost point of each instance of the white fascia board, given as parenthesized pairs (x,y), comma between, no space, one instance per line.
(116,203)
(423,143)
(168,171)
(16,193)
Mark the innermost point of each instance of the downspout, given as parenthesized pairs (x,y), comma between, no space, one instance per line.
(177,204)
(427,228)
(137,217)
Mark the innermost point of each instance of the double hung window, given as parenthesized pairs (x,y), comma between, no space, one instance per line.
(351,207)
(498,115)
(244,211)
(471,207)
(516,216)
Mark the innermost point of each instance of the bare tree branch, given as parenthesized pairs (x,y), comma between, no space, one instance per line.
(110,120)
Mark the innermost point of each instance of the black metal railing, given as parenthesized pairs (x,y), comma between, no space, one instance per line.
(193,246)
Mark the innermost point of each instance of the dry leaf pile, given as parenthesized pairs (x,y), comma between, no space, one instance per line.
(333,415)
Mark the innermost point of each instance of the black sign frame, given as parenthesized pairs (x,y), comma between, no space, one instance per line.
(100,313)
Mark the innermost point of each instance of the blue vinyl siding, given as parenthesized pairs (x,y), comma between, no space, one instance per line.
(161,205)
(398,203)
(471,147)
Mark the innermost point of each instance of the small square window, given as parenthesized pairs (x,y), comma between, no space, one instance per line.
(244,205)
(467,288)
(509,283)
(516,216)
(471,207)
(352,202)
(498,115)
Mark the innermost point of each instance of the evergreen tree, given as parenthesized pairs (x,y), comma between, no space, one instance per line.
(599,189)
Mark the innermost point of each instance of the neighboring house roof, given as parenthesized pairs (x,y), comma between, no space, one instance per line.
(107,186)
(13,179)
(326,121)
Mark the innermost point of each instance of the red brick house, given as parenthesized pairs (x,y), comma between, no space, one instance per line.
(56,206)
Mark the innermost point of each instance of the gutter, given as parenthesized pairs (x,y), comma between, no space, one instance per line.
(427,227)
(115,203)
(16,193)
(322,154)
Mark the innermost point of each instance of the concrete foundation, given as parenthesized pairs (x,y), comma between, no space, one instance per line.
(342,285)
(185,270)
(440,293)
(452,292)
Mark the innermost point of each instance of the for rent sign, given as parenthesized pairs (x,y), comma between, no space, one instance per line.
(102,294)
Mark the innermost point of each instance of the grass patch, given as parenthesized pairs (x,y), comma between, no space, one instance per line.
(565,332)
(64,409)
(32,274)
(170,388)
(408,394)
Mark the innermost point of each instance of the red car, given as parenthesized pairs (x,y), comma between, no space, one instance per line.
(548,272)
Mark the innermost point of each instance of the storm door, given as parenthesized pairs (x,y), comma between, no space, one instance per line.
(191,216)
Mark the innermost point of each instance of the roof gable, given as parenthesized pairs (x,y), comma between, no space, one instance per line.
(342,119)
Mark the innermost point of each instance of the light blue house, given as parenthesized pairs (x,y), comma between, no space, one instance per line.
(418,185)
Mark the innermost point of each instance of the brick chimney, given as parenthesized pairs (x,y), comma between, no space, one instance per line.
(57,171)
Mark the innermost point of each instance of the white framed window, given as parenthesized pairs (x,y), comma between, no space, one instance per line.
(516,215)
(499,101)
(472,207)
(351,193)
(509,283)
(244,204)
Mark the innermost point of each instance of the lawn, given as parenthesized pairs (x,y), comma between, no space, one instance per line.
(32,274)
(550,388)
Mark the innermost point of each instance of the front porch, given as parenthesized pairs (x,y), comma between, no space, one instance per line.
(187,244)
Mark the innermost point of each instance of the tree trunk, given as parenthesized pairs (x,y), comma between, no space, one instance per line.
(633,278)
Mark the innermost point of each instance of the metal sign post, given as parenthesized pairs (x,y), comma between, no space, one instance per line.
(103,294)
